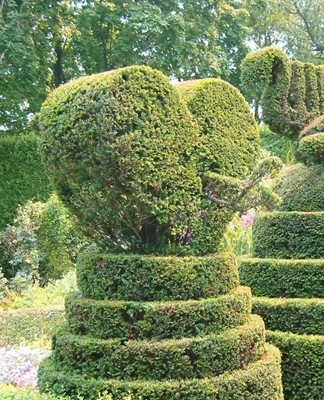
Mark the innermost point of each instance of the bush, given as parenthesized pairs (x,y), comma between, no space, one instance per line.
(260,380)
(22,175)
(138,188)
(42,242)
(289,235)
(148,278)
(283,278)
(311,149)
(158,320)
(28,325)
(303,316)
(302,364)
(185,358)
(301,188)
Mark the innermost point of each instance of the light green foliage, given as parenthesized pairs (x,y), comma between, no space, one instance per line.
(277,145)
(311,149)
(22,175)
(138,188)
(288,91)
(41,244)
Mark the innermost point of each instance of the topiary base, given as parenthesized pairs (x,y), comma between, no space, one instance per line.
(260,380)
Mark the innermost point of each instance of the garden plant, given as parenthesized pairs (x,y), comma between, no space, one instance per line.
(159,313)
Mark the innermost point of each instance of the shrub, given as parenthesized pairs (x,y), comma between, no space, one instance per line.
(303,316)
(301,188)
(302,364)
(311,149)
(22,175)
(137,189)
(260,380)
(41,244)
(283,278)
(278,145)
(289,235)
(148,278)
(159,320)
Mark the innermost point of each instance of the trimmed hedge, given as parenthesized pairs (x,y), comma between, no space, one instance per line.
(260,380)
(229,132)
(311,149)
(302,316)
(302,364)
(289,235)
(27,325)
(160,320)
(185,358)
(301,188)
(138,187)
(151,278)
(283,278)
(22,175)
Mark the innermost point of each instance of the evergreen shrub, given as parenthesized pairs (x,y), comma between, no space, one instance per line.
(283,278)
(311,149)
(302,364)
(289,235)
(22,174)
(302,316)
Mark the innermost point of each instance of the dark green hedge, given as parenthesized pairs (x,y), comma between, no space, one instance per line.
(302,364)
(311,149)
(22,175)
(289,235)
(185,358)
(227,127)
(150,278)
(27,325)
(301,188)
(260,380)
(120,147)
(157,320)
(302,316)
(283,278)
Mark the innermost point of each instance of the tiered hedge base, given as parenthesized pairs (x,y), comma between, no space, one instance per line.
(161,328)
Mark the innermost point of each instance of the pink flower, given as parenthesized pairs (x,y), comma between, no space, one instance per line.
(247,220)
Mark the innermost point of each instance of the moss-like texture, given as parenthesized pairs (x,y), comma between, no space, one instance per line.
(289,235)
(302,364)
(283,278)
(22,174)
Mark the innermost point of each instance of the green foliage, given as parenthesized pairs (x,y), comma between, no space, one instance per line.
(185,358)
(283,278)
(302,316)
(302,364)
(289,235)
(158,320)
(21,326)
(42,242)
(311,149)
(314,127)
(287,91)
(260,380)
(277,145)
(22,175)
(238,236)
(301,188)
(137,189)
(149,278)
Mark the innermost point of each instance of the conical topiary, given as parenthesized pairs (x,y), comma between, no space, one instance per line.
(158,315)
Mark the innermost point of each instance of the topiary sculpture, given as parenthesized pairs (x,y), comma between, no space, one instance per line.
(130,160)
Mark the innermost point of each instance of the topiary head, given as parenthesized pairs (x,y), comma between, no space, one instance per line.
(120,148)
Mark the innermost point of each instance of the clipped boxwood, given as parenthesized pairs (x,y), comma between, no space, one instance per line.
(138,188)
(302,316)
(158,320)
(259,380)
(227,127)
(302,364)
(185,358)
(301,188)
(311,149)
(22,174)
(289,235)
(283,278)
(18,326)
(149,278)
